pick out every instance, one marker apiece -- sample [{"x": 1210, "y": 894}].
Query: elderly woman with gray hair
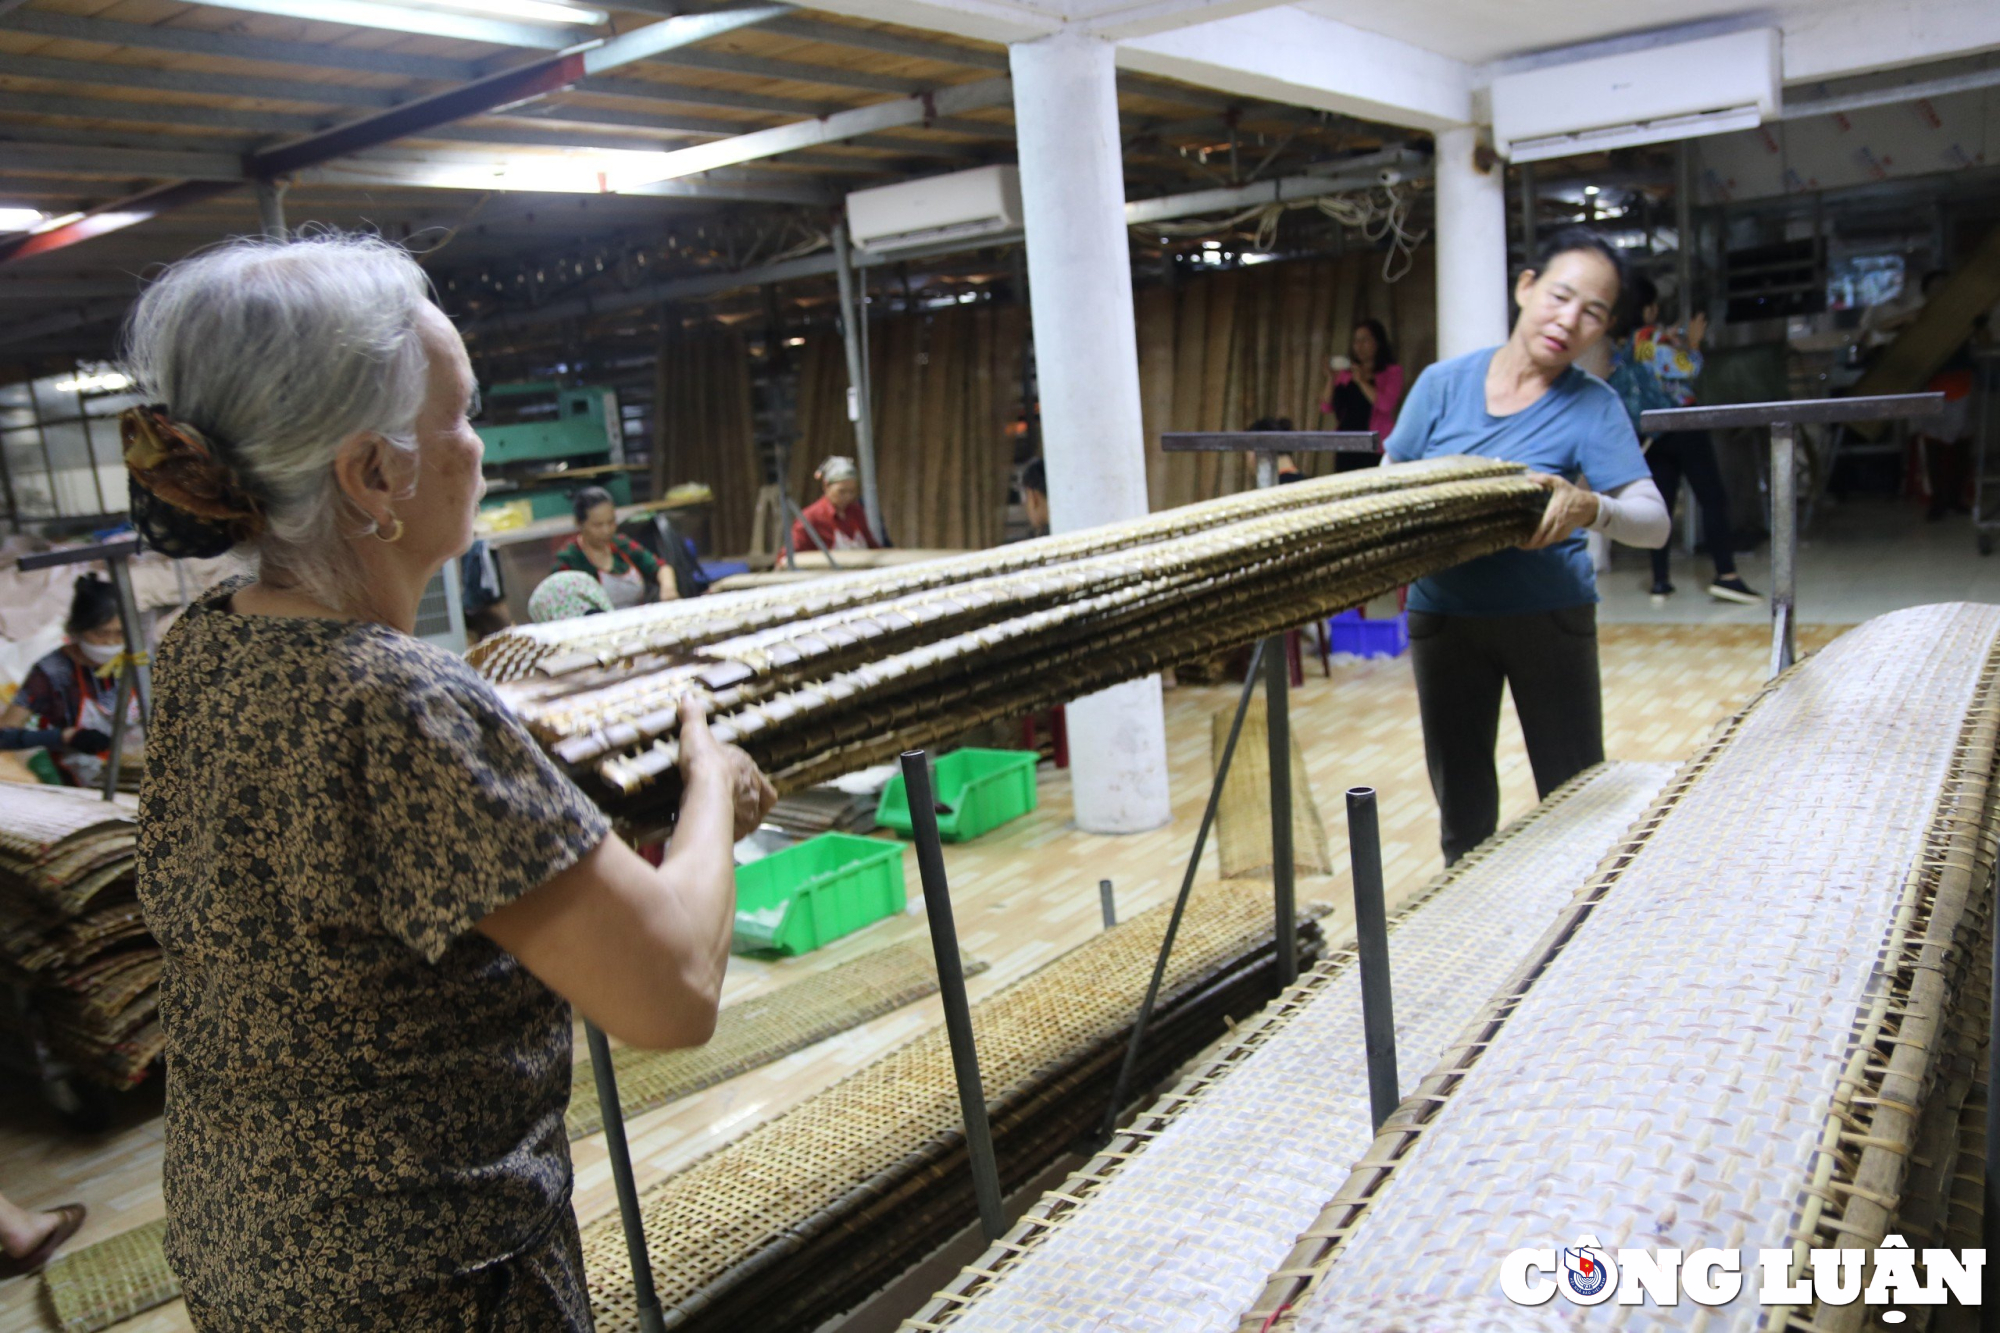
[{"x": 377, "y": 899}]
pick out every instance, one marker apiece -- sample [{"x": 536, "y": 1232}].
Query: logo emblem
[{"x": 1587, "y": 1275}]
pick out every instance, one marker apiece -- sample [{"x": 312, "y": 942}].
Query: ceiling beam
[
  {"x": 157, "y": 113},
  {"x": 194, "y": 81},
  {"x": 833, "y": 128},
  {"x": 886, "y": 43},
  {"x": 64, "y": 321},
  {"x": 236, "y": 46},
  {"x": 49, "y": 159},
  {"x": 47, "y": 290},
  {"x": 659, "y": 90},
  {"x": 108, "y": 218},
  {"x": 919, "y": 48},
  {"x": 562, "y": 138},
  {"x": 522, "y": 83},
  {"x": 429, "y": 22},
  {"x": 417, "y": 173},
  {"x": 764, "y": 67},
  {"x": 141, "y": 142}
]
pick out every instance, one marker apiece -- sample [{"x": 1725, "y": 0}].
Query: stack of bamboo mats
[
  {"x": 71, "y": 935},
  {"x": 1176, "y": 1224},
  {"x": 822, "y": 679},
  {"x": 1759, "y": 1027}
]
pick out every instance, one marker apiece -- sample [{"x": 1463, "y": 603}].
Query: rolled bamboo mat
[
  {"x": 763, "y": 1029},
  {"x": 806, "y": 1215},
  {"x": 636, "y": 632},
  {"x": 1174, "y": 1227},
  {"x": 819, "y": 681},
  {"x": 1744, "y": 1033},
  {"x": 98, "y": 1285}
]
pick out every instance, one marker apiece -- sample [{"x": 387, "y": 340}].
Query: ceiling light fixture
[
  {"x": 530, "y": 11},
  {"x": 109, "y": 381}
]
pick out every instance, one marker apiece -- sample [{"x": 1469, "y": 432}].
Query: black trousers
[
  {"x": 1691, "y": 454},
  {"x": 1549, "y": 662}
]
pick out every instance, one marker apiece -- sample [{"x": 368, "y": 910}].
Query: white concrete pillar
[
  {"x": 1087, "y": 359},
  {"x": 1472, "y": 274}
]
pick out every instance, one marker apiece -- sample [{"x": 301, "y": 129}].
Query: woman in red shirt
[{"x": 837, "y": 516}]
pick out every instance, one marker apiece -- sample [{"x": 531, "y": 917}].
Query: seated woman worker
[
  {"x": 377, "y": 899},
  {"x": 68, "y": 705},
  {"x": 1526, "y": 619},
  {"x": 629, "y": 573}
]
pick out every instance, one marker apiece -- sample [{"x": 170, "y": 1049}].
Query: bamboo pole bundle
[{"x": 944, "y": 647}]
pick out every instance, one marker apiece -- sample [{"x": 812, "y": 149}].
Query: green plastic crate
[
  {"x": 792, "y": 902},
  {"x": 983, "y": 788}
]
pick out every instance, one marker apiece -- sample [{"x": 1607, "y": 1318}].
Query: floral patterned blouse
[{"x": 365, "y": 1095}]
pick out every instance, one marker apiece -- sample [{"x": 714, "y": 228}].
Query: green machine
[{"x": 544, "y": 441}]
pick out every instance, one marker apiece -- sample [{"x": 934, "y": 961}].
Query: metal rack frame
[{"x": 1783, "y": 420}]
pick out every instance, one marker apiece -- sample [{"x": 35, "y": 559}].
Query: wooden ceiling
[{"x": 99, "y": 101}]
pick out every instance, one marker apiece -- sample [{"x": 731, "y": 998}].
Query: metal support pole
[
  {"x": 135, "y": 633},
  {"x": 791, "y": 511},
  {"x": 951, "y": 989},
  {"x": 1684, "y": 230},
  {"x": 1105, "y": 901},
  {"x": 120, "y": 708},
  {"x": 271, "y": 208},
  {"x": 643, "y": 1294},
  {"x": 1371, "y": 934},
  {"x": 1989, "y": 1222},
  {"x": 1277, "y": 704},
  {"x": 1784, "y": 543},
  {"x": 861, "y": 410},
  {"x": 1278, "y": 718},
  {"x": 1138, "y": 1037}
]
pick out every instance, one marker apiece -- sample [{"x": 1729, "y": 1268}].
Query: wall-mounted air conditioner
[
  {"x": 982, "y": 202},
  {"x": 1679, "y": 91}
]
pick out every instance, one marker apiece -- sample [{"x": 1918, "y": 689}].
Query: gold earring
[{"x": 394, "y": 534}]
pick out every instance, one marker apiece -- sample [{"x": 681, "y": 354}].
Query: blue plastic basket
[{"x": 1349, "y": 633}]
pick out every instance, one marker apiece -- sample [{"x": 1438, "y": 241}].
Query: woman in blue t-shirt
[{"x": 1526, "y": 618}]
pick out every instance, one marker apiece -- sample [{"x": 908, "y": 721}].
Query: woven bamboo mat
[
  {"x": 96, "y": 1286},
  {"x": 71, "y": 930},
  {"x": 889, "y": 1132},
  {"x": 1243, "y": 816},
  {"x": 1144, "y": 1239},
  {"x": 1731, "y": 1039},
  {"x": 762, "y": 1029}
]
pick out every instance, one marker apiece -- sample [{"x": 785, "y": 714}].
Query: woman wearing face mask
[
  {"x": 1526, "y": 619},
  {"x": 71, "y": 696}
]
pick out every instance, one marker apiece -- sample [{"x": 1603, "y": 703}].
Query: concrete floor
[{"x": 1859, "y": 559}]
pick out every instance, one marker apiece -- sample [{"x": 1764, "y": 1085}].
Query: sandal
[{"x": 69, "y": 1219}]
